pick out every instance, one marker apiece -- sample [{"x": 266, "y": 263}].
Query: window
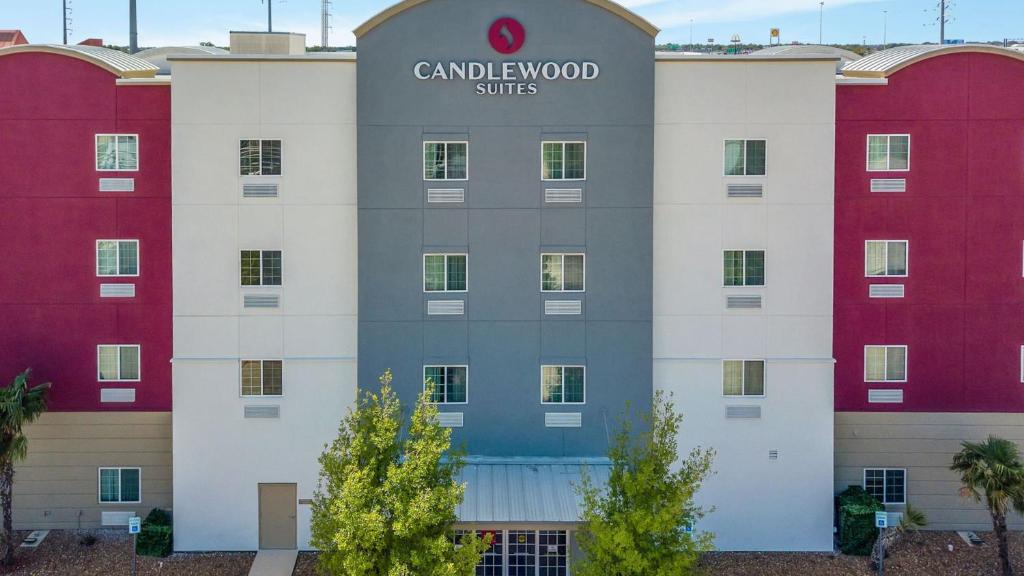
[
  {"x": 261, "y": 378},
  {"x": 564, "y": 161},
  {"x": 445, "y": 160},
  {"x": 120, "y": 485},
  {"x": 118, "y": 362},
  {"x": 529, "y": 552},
  {"x": 117, "y": 257},
  {"x": 563, "y": 384},
  {"x": 445, "y": 272},
  {"x": 522, "y": 552},
  {"x": 745, "y": 157},
  {"x": 744, "y": 267},
  {"x": 887, "y": 484},
  {"x": 117, "y": 152},
  {"x": 885, "y": 258},
  {"x": 562, "y": 272},
  {"x": 260, "y": 158},
  {"x": 888, "y": 152},
  {"x": 743, "y": 377},
  {"x": 885, "y": 363},
  {"x": 1022, "y": 364},
  {"x": 446, "y": 384},
  {"x": 261, "y": 267}
]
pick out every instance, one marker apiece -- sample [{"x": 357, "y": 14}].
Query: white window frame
[
  {"x": 537, "y": 551},
  {"x": 1022, "y": 364},
  {"x": 563, "y": 367},
  {"x": 764, "y": 377},
  {"x": 241, "y": 378},
  {"x": 744, "y": 251},
  {"x": 885, "y": 368},
  {"x": 238, "y": 169},
  {"x": 446, "y": 366},
  {"x": 888, "y": 153},
  {"x": 261, "y": 284},
  {"x": 99, "y": 485},
  {"x": 586, "y": 161},
  {"x": 423, "y": 157},
  {"x": 864, "y": 483},
  {"x": 446, "y": 255},
  {"x": 745, "y": 140},
  {"x": 118, "y": 346},
  {"x": 906, "y": 243},
  {"x": 138, "y": 258},
  {"x": 117, "y": 159},
  {"x": 563, "y": 255}
]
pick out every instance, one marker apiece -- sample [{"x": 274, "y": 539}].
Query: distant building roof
[
  {"x": 845, "y": 56},
  {"x": 92, "y": 42},
  {"x": 12, "y": 38},
  {"x": 113, "y": 61},
  {"x": 525, "y": 490},
  {"x": 887, "y": 62},
  {"x": 158, "y": 56}
]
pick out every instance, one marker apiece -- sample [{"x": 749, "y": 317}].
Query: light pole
[
  {"x": 821, "y": 21},
  {"x": 691, "y": 33},
  {"x": 885, "y": 28}
]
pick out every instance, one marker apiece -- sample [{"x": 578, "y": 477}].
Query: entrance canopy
[{"x": 527, "y": 490}]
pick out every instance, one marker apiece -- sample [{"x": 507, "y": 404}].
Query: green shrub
[
  {"x": 156, "y": 537},
  {"x": 857, "y": 532}
]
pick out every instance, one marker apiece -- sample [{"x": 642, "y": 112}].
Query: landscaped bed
[{"x": 64, "y": 553}]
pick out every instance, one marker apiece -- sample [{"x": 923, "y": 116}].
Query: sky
[{"x": 188, "y": 22}]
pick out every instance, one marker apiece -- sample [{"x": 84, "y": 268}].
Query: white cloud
[{"x": 669, "y": 13}]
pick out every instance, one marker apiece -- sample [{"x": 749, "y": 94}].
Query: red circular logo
[{"x": 507, "y": 35}]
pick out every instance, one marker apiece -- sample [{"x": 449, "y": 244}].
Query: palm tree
[
  {"x": 19, "y": 405},
  {"x": 993, "y": 469}
]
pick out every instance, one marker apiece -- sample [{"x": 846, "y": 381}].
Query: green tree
[
  {"x": 993, "y": 470},
  {"x": 637, "y": 524},
  {"x": 385, "y": 505},
  {"x": 19, "y": 405}
]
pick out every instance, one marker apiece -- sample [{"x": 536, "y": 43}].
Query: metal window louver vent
[
  {"x": 252, "y": 190},
  {"x": 117, "y": 290},
  {"x": 563, "y": 196},
  {"x": 746, "y": 412},
  {"x": 563, "y": 307},
  {"x": 563, "y": 419},
  {"x": 118, "y": 518},
  {"x": 450, "y": 419},
  {"x": 744, "y": 191},
  {"x": 886, "y": 291},
  {"x": 262, "y": 412},
  {"x": 446, "y": 307},
  {"x": 446, "y": 195},
  {"x": 888, "y": 185},
  {"x": 773, "y": 454},
  {"x": 744, "y": 302},
  {"x": 117, "y": 395},
  {"x": 117, "y": 184},
  {"x": 885, "y": 396},
  {"x": 262, "y": 301}
]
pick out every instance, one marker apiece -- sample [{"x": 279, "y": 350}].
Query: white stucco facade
[
  {"x": 221, "y": 457},
  {"x": 763, "y": 499}
]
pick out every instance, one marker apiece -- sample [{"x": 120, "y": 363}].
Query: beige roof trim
[
  {"x": 900, "y": 64},
  {"x": 617, "y": 9},
  {"x": 117, "y": 63}
]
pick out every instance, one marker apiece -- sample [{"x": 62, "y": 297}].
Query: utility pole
[
  {"x": 270, "y": 15},
  {"x": 942, "y": 21},
  {"x": 885, "y": 28},
  {"x": 691, "y": 33},
  {"x": 133, "y": 29},
  {"x": 821, "y": 22},
  {"x": 64, "y": 17},
  {"x": 325, "y": 23}
]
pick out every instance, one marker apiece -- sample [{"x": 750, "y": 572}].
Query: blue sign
[
  {"x": 134, "y": 525},
  {"x": 881, "y": 520}
]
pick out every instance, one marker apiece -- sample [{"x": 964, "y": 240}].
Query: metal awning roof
[
  {"x": 114, "y": 61},
  {"x": 526, "y": 491},
  {"x": 883, "y": 64}
]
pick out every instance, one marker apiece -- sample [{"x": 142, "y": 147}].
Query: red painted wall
[
  {"x": 963, "y": 214},
  {"x": 52, "y": 213}
]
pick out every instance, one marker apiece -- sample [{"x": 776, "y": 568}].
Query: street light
[
  {"x": 821, "y": 20},
  {"x": 885, "y": 28}
]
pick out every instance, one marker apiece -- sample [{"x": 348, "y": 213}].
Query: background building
[
  {"x": 743, "y": 208},
  {"x": 86, "y": 299},
  {"x": 929, "y": 285},
  {"x": 264, "y": 289}
]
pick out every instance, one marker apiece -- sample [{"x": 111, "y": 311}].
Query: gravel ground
[
  {"x": 62, "y": 554},
  {"x": 305, "y": 565}
]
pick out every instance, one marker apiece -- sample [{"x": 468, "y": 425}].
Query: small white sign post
[
  {"x": 134, "y": 527},
  {"x": 881, "y": 522}
]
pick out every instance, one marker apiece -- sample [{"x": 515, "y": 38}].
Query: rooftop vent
[{"x": 268, "y": 43}]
